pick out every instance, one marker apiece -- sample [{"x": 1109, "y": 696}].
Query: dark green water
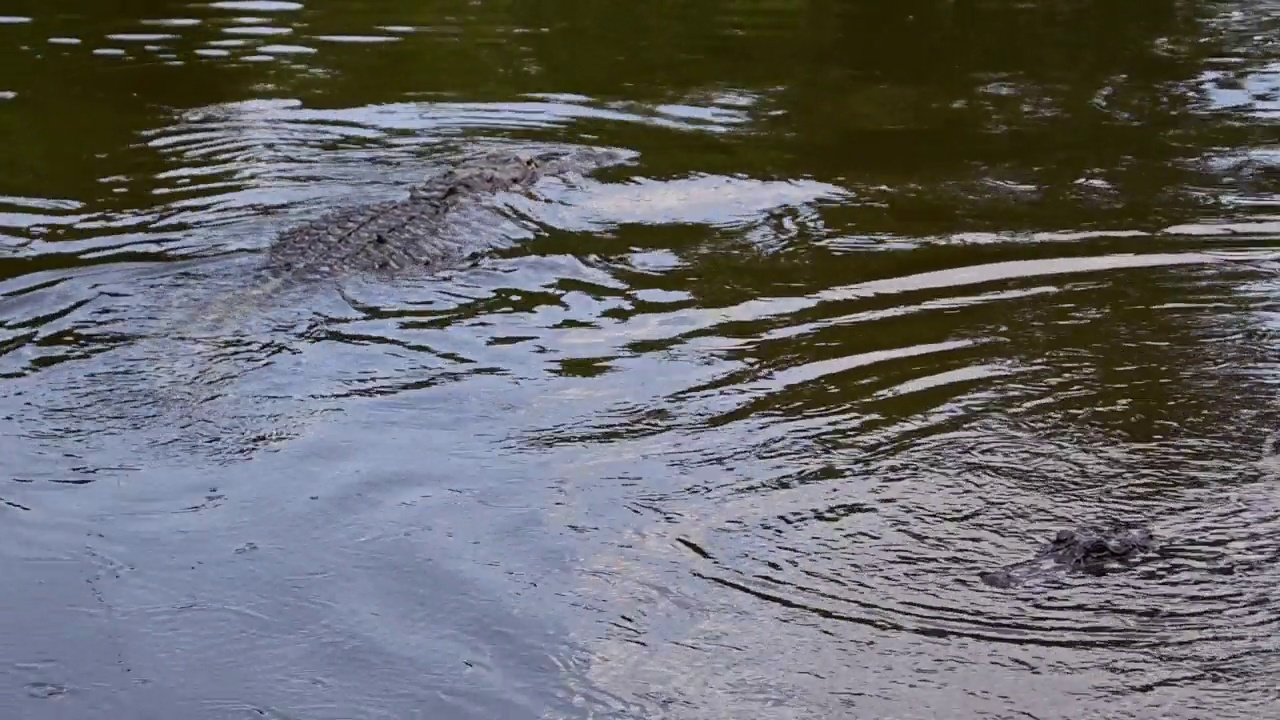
[{"x": 891, "y": 293}]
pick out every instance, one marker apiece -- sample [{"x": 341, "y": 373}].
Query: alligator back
[
  {"x": 400, "y": 235},
  {"x": 428, "y": 231}
]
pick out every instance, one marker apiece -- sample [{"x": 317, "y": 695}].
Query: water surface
[{"x": 887, "y": 295}]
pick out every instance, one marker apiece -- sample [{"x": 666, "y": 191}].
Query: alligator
[
  {"x": 1092, "y": 549},
  {"x": 424, "y": 233},
  {"x": 407, "y": 235}
]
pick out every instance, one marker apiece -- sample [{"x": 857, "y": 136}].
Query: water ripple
[
  {"x": 731, "y": 431},
  {"x": 870, "y": 504}
]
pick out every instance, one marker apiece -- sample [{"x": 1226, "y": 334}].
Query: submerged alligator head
[{"x": 1090, "y": 549}]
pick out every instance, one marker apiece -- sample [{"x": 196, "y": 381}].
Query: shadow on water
[{"x": 887, "y": 296}]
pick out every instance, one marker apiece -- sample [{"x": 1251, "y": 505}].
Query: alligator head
[
  {"x": 581, "y": 160},
  {"x": 509, "y": 171},
  {"x": 1089, "y": 548},
  {"x": 1079, "y": 547},
  {"x": 488, "y": 174}
]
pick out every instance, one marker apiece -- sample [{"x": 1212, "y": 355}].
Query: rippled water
[{"x": 884, "y": 297}]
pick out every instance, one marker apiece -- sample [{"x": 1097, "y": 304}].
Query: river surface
[{"x": 886, "y": 295}]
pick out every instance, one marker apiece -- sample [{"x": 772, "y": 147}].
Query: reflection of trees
[
  {"x": 77, "y": 113},
  {"x": 912, "y": 91},
  {"x": 1046, "y": 94}
]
